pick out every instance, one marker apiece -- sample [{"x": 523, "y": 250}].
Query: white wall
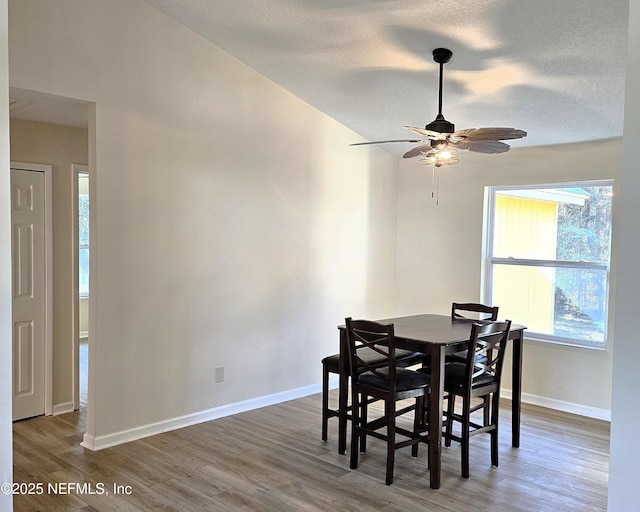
[
  {"x": 625, "y": 449},
  {"x": 6, "y": 437},
  {"x": 234, "y": 227},
  {"x": 440, "y": 248}
]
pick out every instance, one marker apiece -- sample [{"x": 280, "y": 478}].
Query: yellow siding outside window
[{"x": 523, "y": 228}]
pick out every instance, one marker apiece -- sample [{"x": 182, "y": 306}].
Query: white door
[{"x": 29, "y": 292}]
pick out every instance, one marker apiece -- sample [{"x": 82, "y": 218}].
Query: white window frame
[{"x": 490, "y": 260}]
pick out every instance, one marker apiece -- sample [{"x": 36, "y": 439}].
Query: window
[
  {"x": 547, "y": 259},
  {"x": 83, "y": 234}
]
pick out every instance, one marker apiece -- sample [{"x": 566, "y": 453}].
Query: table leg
[
  {"x": 516, "y": 387},
  {"x": 435, "y": 415},
  {"x": 343, "y": 392}
]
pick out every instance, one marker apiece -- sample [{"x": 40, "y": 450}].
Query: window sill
[{"x": 599, "y": 347}]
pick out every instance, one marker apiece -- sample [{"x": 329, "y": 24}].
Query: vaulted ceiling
[{"x": 553, "y": 68}]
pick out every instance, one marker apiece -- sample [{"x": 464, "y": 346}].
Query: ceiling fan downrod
[{"x": 440, "y": 124}]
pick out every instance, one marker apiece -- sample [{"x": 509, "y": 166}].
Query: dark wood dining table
[{"x": 435, "y": 336}]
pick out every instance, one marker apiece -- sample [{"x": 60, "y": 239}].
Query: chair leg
[
  {"x": 343, "y": 405},
  {"x": 451, "y": 404},
  {"x": 485, "y": 410},
  {"x": 418, "y": 423},
  {"x": 355, "y": 430},
  {"x": 325, "y": 402},
  {"x": 495, "y": 403},
  {"x": 364, "y": 414},
  {"x": 466, "y": 406},
  {"x": 390, "y": 411}
]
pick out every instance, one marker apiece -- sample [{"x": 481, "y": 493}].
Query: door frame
[{"x": 48, "y": 272}]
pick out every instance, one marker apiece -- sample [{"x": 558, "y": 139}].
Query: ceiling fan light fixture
[
  {"x": 438, "y": 158},
  {"x": 445, "y": 154}
]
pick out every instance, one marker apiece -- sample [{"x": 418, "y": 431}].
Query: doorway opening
[
  {"x": 61, "y": 131},
  {"x": 81, "y": 250}
]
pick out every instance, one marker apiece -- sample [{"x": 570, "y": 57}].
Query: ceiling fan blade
[
  {"x": 418, "y": 150},
  {"x": 476, "y": 134},
  {"x": 482, "y": 146},
  {"x": 430, "y": 134},
  {"x": 385, "y": 142}
]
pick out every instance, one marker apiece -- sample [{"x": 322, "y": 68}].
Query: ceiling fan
[{"x": 440, "y": 141}]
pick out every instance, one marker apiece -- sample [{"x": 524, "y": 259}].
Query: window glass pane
[
  {"x": 83, "y": 219},
  {"x": 580, "y": 304},
  {"x": 562, "y": 302},
  {"x": 83, "y": 286},
  {"x": 570, "y": 223},
  {"x": 83, "y": 242},
  {"x": 524, "y": 228},
  {"x": 584, "y": 231}
]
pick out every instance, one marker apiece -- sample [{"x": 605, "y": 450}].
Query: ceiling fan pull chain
[
  {"x": 435, "y": 185},
  {"x": 433, "y": 182}
]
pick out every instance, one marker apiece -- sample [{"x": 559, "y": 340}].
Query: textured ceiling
[{"x": 553, "y": 68}]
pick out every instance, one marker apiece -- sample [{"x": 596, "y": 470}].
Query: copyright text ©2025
[{"x": 65, "y": 488}]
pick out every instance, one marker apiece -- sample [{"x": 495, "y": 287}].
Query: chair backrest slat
[{"x": 481, "y": 311}]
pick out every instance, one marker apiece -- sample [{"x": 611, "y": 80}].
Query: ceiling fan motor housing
[{"x": 440, "y": 124}]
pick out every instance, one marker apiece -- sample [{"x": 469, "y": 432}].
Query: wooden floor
[{"x": 272, "y": 459}]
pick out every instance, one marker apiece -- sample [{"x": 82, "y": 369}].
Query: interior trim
[
  {"x": 560, "y": 405},
  {"x": 125, "y": 436}
]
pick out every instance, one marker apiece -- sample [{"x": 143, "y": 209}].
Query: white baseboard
[
  {"x": 560, "y": 405},
  {"x": 62, "y": 408},
  {"x": 125, "y": 436}
]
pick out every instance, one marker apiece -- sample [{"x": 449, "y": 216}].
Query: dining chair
[
  {"x": 472, "y": 311},
  {"x": 331, "y": 364},
  {"x": 479, "y": 376},
  {"x": 388, "y": 383}
]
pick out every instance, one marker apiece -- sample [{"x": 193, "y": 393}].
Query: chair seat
[
  {"x": 405, "y": 379},
  {"x": 332, "y": 360},
  {"x": 373, "y": 358},
  {"x": 461, "y": 357},
  {"x": 454, "y": 376}
]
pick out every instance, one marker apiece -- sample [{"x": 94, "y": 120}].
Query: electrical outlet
[{"x": 219, "y": 374}]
